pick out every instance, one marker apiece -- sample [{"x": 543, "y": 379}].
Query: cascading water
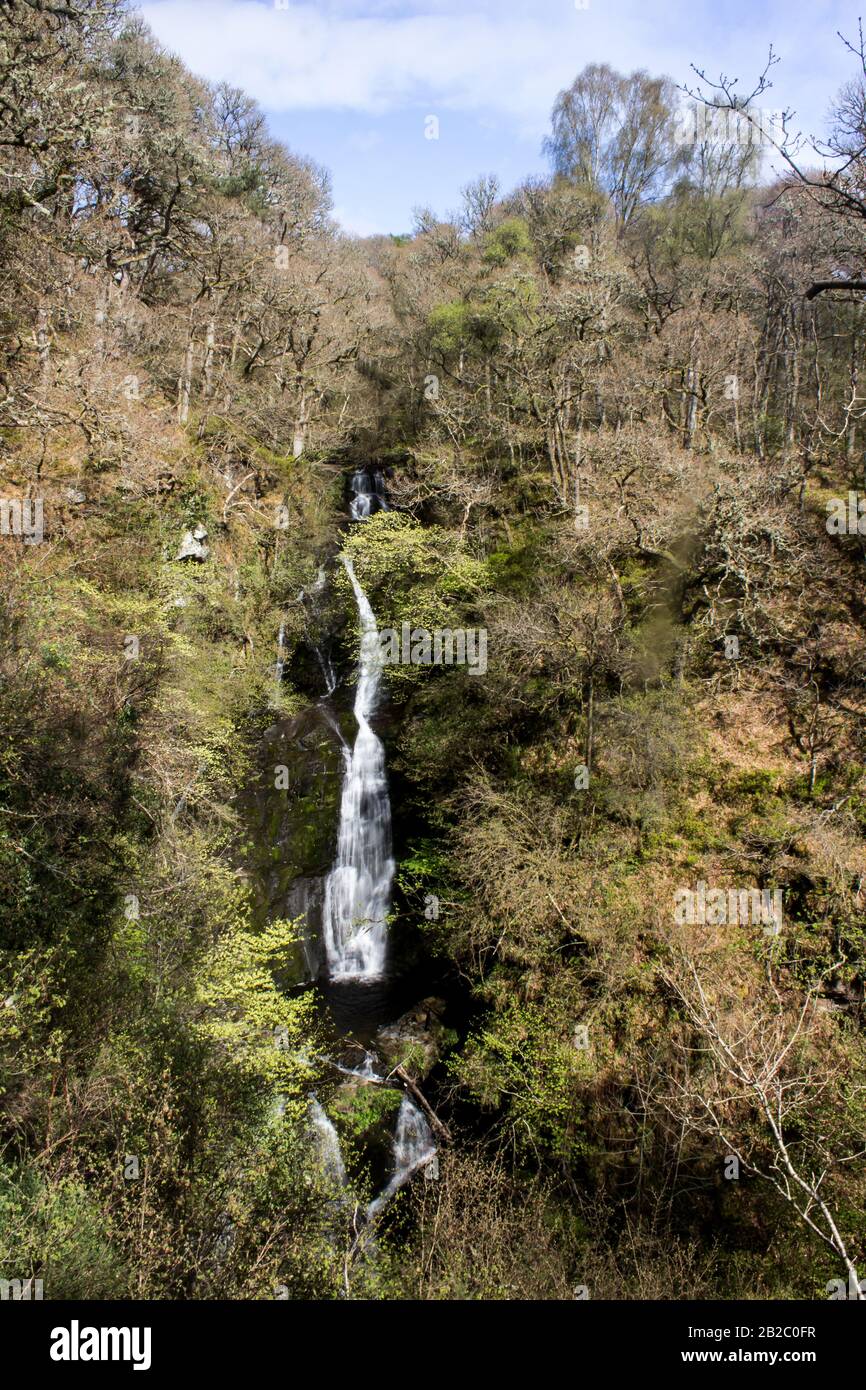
[
  {"x": 365, "y": 1072},
  {"x": 358, "y": 888},
  {"x": 413, "y": 1147},
  {"x": 413, "y": 1142},
  {"x": 369, "y": 495},
  {"x": 327, "y": 1144},
  {"x": 357, "y": 891},
  {"x": 281, "y": 647},
  {"x": 310, "y": 596},
  {"x": 327, "y": 671}
]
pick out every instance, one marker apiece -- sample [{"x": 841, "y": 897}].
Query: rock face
[
  {"x": 303, "y": 902},
  {"x": 291, "y": 831},
  {"x": 414, "y": 1040},
  {"x": 192, "y": 546}
]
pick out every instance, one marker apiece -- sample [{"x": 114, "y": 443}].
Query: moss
[{"x": 361, "y": 1109}]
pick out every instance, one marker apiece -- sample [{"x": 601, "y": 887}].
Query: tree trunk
[
  {"x": 691, "y": 403},
  {"x": 184, "y": 385},
  {"x": 300, "y": 433},
  {"x": 43, "y": 345},
  {"x": 207, "y": 368},
  {"x": 851, "y": 440}
]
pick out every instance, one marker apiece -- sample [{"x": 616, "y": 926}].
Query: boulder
[
  {"x": 192, "y": 546},
  {"x": 414, "y": 1040}
]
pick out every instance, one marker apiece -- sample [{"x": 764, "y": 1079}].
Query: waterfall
[
  {"x": 327, "y": 1144},
  {"x": 358, "y": 888},
  {"x": 280, "y": 651},
  {"x": 369, "y": 495},
  {"x": 365, "y": 1072},
  {"x": 413, "y": 1147},
  {"x": 357, "y": 891},
  {"x": 413, "y": 1142},
  {"x": 323, "y": 658},
  {"x": 327, "y": 671}
]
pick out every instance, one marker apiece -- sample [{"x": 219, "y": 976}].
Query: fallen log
[
  {"x": 821, "y": 285},
  {"x": 441, "y": 1129}
]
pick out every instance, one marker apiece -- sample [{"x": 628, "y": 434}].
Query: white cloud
[
  {"x": 338, "y": 58},
  {"x": 501, "y": 57}
]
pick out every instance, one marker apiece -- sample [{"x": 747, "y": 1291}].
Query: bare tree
[
  {"x": 761, "y": 1053},
  {"x": 616, "y": 134}
]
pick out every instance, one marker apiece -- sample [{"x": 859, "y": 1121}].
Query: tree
[
  {"x": 839, "y": 186},
  {"x": 766, "y": 1050},
  {"x": 616, "y": 134}
]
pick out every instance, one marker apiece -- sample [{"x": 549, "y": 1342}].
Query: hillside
[{"x": 331, "y": 967}]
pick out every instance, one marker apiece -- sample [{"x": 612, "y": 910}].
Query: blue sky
[{"x": 351, "y": 82}]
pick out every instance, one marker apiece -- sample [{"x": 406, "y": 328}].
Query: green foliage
[
  {"x": 53, "y": 1228},
  {"x": 520, "y": 1063},
  {"x": 158, "y": 1035},
  {"x": 508, "y": 240},
  {"x": 241, "y": 1010},
  {"x": 368, "y": 1108},
  {"x": 417, "y": 575},
  {"x": 460, "y": 326}
]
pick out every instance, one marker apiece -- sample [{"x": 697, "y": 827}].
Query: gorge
[{"x": 361, "y": 970}]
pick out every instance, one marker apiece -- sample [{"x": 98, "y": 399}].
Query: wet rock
[
  {"x": 414, "y": 1041},
  {"x": 303, "y": 904},
  {"x": 292, "y": 826},
  {"x": 365, "y": 1115}
]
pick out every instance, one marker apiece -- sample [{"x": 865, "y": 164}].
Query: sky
[{"x": 353, "y": 84}]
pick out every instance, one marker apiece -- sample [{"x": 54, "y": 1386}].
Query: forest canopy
[{"x": 615, "y": 420}]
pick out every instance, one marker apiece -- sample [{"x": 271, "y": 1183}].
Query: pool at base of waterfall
[{"x": 358, "y": 1007}]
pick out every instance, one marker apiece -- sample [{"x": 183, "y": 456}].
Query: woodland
[{"x": 613, "y": 418}]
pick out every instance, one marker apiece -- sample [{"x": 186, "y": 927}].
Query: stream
[{"x": 357, "y": 890}]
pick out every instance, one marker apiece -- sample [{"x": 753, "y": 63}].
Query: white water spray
[
  {"x": 281, "y": 647},
  {"x": 413, "y": 1148},
  {"x": 327, "y": 1144},
  {"x": 358, "y": 888},
  {"x": 365, "y": 1072},
  {"x": 369, "y": 495}
]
